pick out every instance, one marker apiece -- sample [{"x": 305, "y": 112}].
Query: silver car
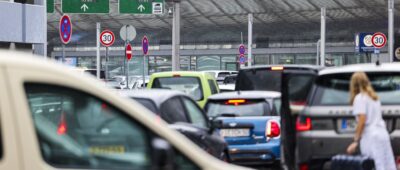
[{"x": 326, "y": 126}]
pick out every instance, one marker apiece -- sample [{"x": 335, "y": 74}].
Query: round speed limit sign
[
  {"x": 107, "y": 38},
  {"x": 378, "y": 40}
]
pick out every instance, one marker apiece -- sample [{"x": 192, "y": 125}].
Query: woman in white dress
[{"x": 371, "y": 134}]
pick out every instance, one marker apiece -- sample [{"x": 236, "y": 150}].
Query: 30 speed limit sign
[
  {"x": 378, "y": 40},
  {"x": 107, "y": 38}
]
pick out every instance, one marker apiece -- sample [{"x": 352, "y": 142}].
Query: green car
[{"x": 198, "y": 85}]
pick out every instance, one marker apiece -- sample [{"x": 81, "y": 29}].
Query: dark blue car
[{"x": 251, "y": 125}]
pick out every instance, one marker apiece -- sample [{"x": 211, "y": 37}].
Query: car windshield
[
  {"x": 334, "y": 89},
  {"x": 238, "y": 108},
  {"x": 147, "y": 103},
  {"x": 189, "y": 85}
]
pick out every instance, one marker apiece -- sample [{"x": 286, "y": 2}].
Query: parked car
[
  {"x": 53, "y": 118},
  {"x": 198, "y": 85},
  {"x": 228, "y": 85},
  {"x": 251, "y": 125},
  {"x": 184, "y": 115},
  {"x": 326, "y": 126},
  {"x": 219, "y": 75}
]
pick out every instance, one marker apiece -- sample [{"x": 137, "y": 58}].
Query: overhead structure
[{"x": 277, "y": 21}]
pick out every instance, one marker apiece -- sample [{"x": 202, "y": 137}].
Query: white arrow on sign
[
  {"x": 84, "y": 7},
  {"x": 141, "y": 8}
]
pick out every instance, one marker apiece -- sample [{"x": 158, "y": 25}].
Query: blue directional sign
[
  {"x": 145, "y": 45},
  {"x": 363, "y": 42}
]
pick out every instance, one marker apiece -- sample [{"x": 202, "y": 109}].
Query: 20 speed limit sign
[
  {"x": 379, "y": 40},
  {"x": 107, "y": 38}
]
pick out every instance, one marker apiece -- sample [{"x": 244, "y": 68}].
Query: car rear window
[
  {"x": 189, "y": 85},
  {"x": 334, "y": 89},
  {"x": 223, "y": 74},
  {"x": 259, "y": 79},
  {"x": 238, "y": 108},
  {"x": 147, "y": 103}
]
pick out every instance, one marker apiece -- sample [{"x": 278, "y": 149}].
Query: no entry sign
[
  {"x": 128, "y": 51},
  {"x": 107, "y": 38},
  {"x": 379, "y": 40},
  {"x": 65, "y": 29}
]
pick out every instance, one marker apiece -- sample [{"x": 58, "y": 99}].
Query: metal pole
[
  {"x": 127, "y": 72},
  {"x": 250, "y": 40},
  {"x": 323, "y": 31},
  {"x": 144, "y": 68},
  {"x": 241, "y": 37},
  {"x": 63, "y": 53},
  {"x": 318, "y": 45},
  {"x": 98, "y": 50},
  {"x": 176, "y": 36},
  {"x": 391, "y": 28},
  {"x": 106, "y": 64}
]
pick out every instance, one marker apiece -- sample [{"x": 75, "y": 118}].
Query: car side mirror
[
  {"x": 215, "y": 123},
  {"x": 163, "y": 154}
]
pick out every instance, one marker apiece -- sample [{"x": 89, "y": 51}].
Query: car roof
[
  {"x": 181, "y": 73},
  {"x": 158, "y": 96},
  {"x": 245, "y": 95},
  {"x": 294, "y": 66},
  {"x": 218, "y": 71},
  {"x": 370, "y": 67}
]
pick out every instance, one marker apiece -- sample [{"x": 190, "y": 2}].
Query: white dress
[{"x": 375, "y": 140}]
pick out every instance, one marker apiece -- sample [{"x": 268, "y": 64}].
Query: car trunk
[{"x": 246, "y": 130}]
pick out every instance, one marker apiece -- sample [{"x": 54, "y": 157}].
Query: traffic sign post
[
  {"x": 65, "y": 30},
  {"x": 145, "y": 49},
  {"x": 128, "y": 54},
  {"x": 85, "y": 6},
  {"x": 141, "y": 7},
  {"x": 379, "y": 40},
  {"x": 107, "y": 38}
]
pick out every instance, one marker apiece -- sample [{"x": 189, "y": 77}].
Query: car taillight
[
  {"x": 303, "y": 167},
  {"x": 235, "y": 102},
  {"x": 272, "y": 129},
  {"x": 303, "y": 124},
  {"x": 277, "y": 68},
  {"x": 62, "y": 126}
]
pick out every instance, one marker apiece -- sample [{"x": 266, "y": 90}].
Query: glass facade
[{"x": 153, "y": 64}]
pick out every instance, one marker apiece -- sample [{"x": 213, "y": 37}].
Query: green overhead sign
[
  {"x": 141, "y": 6},
  {"x": 85, "y": 6},
  {"x": 50, "y": 6}
]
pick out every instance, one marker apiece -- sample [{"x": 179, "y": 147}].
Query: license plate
[
  {"x": 107, "y": 149},
  {"x": 347, "y": 125},
  {"x": 234, "y": 132}
]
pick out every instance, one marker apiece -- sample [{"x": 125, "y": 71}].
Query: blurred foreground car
[
  {"x": 326, "y": 126},
  {"x": 52, "y": 118},
  {"x": 251, "y": 125},
  {"x": 198, "y": 85},
  {"x": 183, "y": 115}
]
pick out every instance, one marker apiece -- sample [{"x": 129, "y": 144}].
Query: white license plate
[
  {"x": 347, "y": 125},
  {"x": 234, "y": 132}
]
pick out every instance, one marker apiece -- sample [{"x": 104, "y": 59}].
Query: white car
[
  {"x": 219, "y": 75},
  {"x": 52, "y": 118}
]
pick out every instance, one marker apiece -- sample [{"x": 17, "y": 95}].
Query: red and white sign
[
  {"x": 65, "y": 29},
  {"x": 107, "y": 38},
  {"x": 128, "y": 51},
  {"x": 379, "y": 40}
]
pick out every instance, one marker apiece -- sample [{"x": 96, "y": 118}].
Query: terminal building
[{"x": 210, "y": 32}]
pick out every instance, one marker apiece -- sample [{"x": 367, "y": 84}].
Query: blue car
[{"x": 251, "y": 125}]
